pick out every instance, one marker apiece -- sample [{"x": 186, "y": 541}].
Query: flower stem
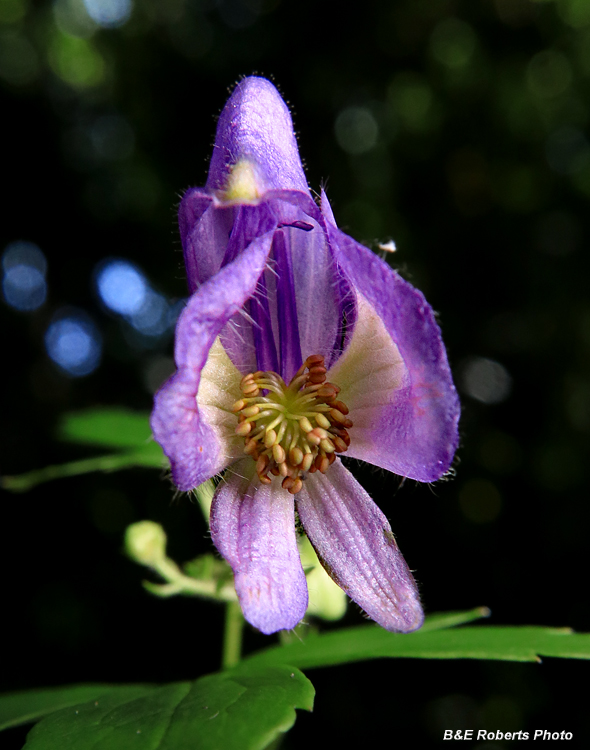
[
  {"x": 232, "y": 636},
  {"x": 24, "y": 482}
]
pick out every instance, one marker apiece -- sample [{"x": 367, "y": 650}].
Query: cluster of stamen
[{"x": 290, "y": 430}]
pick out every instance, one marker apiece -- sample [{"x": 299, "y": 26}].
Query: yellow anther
[
  {"x": 295, "y": 456},
  {"x": 278, "y": 453},
  {"x": 251, "y": 411},
  {"x": 320, "y": 419},
  {"x": 293, "y": 429},
  {"x": 250, "y": 446},
  {"x": 327, "y": 446},
  {"x": 307, "y": 462},
  {"x": 270, "y": 438},
  {"x": 337, "y": 416},
  {"x": 262, "y": 464},
  {"x": 305, "y": 424},
  {"x": 317, "y": 432},
  {"x": 313, "y": 438}
]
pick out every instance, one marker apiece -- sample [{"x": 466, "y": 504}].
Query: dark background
[{"x": 456, "y": 128}]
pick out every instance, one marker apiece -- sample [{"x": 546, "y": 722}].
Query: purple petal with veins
[
  {"x": 253, "y": 527},
  {"x": 354, "y": 542}
]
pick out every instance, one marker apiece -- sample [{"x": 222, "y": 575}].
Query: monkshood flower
[{"x": 297, "y": 344}]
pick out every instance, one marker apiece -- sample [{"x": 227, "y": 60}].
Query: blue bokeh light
[
  {"x": 122, "y": 287},
  {"x": 109, "y": 13},
  {"x": 152, "y": 318},
  {"x": 23, "y": 283},
  {"x": 24, "y": 288},
  {"x": 74, "y": 342},
  {"x": 24, "y": 253}
]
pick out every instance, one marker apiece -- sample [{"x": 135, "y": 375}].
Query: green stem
[
  {"x": 232, "y": 636},
  {"x": 24, "y": 482},
  {"x": 179, "y": 583}
]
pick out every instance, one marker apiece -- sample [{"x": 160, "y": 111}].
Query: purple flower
[{"x": 297, "y": 344}]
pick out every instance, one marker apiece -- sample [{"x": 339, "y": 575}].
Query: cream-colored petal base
[
  {"x": 219, "y": 389},
  {"x": 370, "y": 372}
]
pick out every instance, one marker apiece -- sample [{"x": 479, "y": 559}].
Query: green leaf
[
  {"x": 111, "y": 428},
  {"x": 478, "y": 642},
  {"x": 115, "y": 428},
  {"x": 27, "y": 706},
  {"x": 241, "y": 709}
]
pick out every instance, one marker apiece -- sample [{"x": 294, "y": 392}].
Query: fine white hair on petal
[
  {"x": 219, "y": 389},
  {"x": 246, "y": 471},
  {"x": 270, "y": 266},
  {"x": 248, "y": 317},
  {"x": 238, "y": 341},
  {"x": 236, "y": 330}
]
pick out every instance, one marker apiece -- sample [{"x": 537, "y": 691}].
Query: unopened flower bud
[{"x": 145, "y": 542}]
